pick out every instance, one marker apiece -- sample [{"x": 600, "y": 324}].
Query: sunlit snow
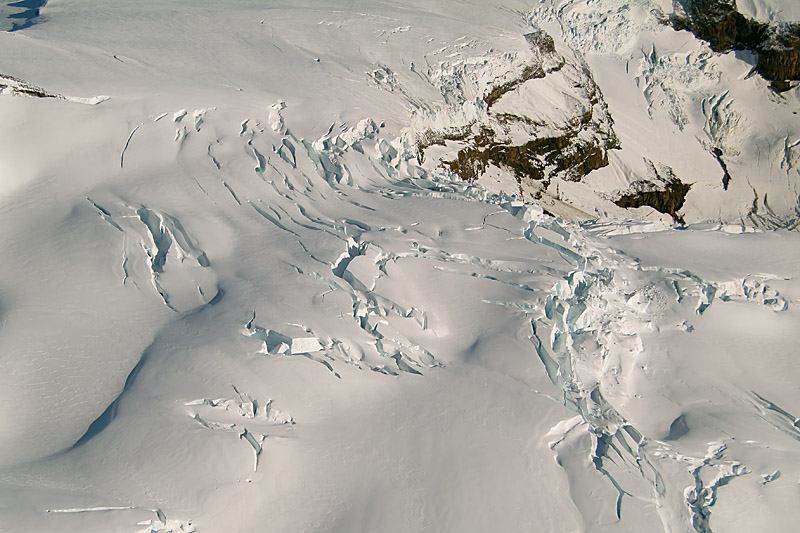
[{"x": 241, "y": 290}]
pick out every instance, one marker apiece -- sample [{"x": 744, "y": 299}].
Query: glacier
[{"x": 394, "y": 267}]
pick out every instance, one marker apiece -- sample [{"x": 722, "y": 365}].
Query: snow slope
[
  {"x": 234, "y": 298},
  {"x": 769, "y": 11}
]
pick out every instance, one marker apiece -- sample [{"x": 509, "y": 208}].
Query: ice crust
[{"x": 184, "y": 267}]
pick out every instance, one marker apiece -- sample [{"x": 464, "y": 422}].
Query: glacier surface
[{"x": 242, "y": 288}]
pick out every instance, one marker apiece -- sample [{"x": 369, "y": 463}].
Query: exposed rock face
[
  {"x": 781, "y": 61},
  {"x": 537, "y": 159},
  {"x": 544, "y": 47},
  {"x": 719, "y": 23},
  {"x": 664, "y": 192},
  {"x": 726, "y": 176},
  {"x": 548, "y": 121}
]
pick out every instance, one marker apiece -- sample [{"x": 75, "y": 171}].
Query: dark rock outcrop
[
  {"x": 544, "y": 46},
  {"x": 664, "y": 192},
  {"x": 537, "y": 159},
  {"x": 725, "y": 29},
  {"x": 568, "y": 151}
]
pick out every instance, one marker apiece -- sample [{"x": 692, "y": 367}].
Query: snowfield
[
  {"x": 770, "y": 10},
  {"x": 244, "y": 289}
]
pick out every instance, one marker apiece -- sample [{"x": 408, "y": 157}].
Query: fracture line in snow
[
  {"x": 159, "y": 513},
  {"x": 89, "y": 509},
  {"x": 127, "y": 142}
]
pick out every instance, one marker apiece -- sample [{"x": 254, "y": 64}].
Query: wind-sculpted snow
[{"x": 245, "y": 302}]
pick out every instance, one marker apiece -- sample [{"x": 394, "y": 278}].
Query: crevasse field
[{"x": 236, "y": 296}]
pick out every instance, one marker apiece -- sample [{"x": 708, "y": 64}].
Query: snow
[
  {"x": 770, "y": 11},
  {"x": 673, "y": 101},
  {"x": 232, "y": 297}
]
